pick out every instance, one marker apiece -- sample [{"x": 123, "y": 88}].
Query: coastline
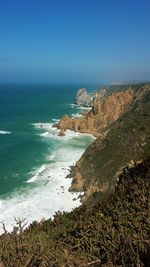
[
  {"x": 51, "y": 193},
  {"x": 110, "y": 120}
]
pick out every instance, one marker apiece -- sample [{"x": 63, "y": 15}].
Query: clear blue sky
[{"x": 74, "y": 40}]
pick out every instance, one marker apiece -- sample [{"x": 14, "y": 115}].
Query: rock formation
[
  {"x": 83, "y": 98},
  {"x": 104, "y": 111},
  {"x": 61, "y": 133},
  {"x": 100, "y": 93},
  {"x": 126, "y": 143}
]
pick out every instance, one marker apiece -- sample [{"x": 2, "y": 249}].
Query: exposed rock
[
  {"x": 103, "y": 113},
  {"x": 109, "y": 108},
  {"x": 78, "y": 183},
  {"x": 83, "y": 113},
  {"x": 123, "y": 145},
  {"x": 120, "y": 121},
  {"x": 65, "y": 123},
  {"x": 100, "y": 93},
  {"x": 83, "y": 98},
  {"x": 61, "y": 133}
]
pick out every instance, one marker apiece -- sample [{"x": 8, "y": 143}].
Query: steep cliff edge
[
  {"x": 127, "y": 142},
  {"x": 109, "y": 231},
  {"x": 105, "y": 110}
]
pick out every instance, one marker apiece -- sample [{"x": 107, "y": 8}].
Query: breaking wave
[{"x": 4, "y": 132}]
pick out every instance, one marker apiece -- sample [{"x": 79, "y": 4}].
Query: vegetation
[
  {"x": 126, "y": 142},
  {"x": 112, "y": 232},
  {"x": 113, "y": 227},
  {"x": 124, "y": 87}
]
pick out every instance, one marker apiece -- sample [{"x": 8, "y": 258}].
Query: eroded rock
[
  {"x": 103, "y": 113},
  {"x": 83, "y": 98}
]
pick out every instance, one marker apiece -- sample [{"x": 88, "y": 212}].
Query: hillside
[
  {"x": 119, "y": 87},
  {"x": 108, "y": 104},
  {"x": 112, "y": 226},
  {"x": 114, "y": 231},
  {"x": 127, "y": 141}
]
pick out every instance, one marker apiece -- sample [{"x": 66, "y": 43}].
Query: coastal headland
[
  {"x": 111, "y": 227},
  {"x": 104, "y": 111},
  {"x": 119, "y": 118}
]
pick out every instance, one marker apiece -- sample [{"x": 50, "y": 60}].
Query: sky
[{"x": 74, "y": 40}]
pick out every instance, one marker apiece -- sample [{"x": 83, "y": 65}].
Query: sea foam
[
  {"x": 50, "y": 187},
  {"x": 4, "y": 132}
]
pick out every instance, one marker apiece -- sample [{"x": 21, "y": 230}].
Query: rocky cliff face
[
  {"x": 105, "y": 110},
  {"x": 100, "y": 93},
  {"x": 127, "y": 142},
  {"x": 83, "y": 98},
  {"x": 108, "y": 109}
]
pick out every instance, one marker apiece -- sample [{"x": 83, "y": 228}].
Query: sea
[{"x": 34, "y": 160}]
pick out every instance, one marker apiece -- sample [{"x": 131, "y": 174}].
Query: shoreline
[{"x": 32, "y": 204}]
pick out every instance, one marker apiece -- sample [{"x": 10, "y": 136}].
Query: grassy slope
[
  {"x": 123, "y": 87},
  {"x": 109, "y": 231},
  {"x": 114, "y": 232}
]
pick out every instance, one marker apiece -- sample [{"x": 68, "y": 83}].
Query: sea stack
[{"x": 83, "y": 98}]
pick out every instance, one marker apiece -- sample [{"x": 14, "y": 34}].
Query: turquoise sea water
[{"x": 32, "y": 156}]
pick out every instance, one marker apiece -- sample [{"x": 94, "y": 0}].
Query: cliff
[
  {"x": 105, "y": 110},
  {"x": 126, "y": 143},
  {"x": 112, "y": 227}
]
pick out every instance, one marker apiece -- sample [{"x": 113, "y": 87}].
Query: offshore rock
[
  {"x": 83, "y": 98},
  {"x": 61, "y": 133}
]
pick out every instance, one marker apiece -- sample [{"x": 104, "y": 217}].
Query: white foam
[
  {"x": 50, "y": 192},
  {"x": 4, "y": 132},
  {"x": 79, "y": 107},
  {"x": 55, "y": 120},
  {"x": 44, "y": 134},
  {"x": 51, "y": 157},
  {"x": 37, "y": 173},
  {"x": 49, "y": 130},
  {"x": 1, "y": 203},
  {"x": 73, "y": 105},
  {"x": 76, "y": 115},
  {"x": 42, "y": 202},
  {"x": 52, "y": 133},
  {"x": 86, "y": 108},
  {"x": 46, "y": 126}
]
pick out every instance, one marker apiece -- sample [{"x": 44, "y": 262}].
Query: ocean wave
[
  {"x": 46, "y": 126},
  {"x": 50, "y": 193},
  {"x": 73, "y": 105},
  {"x": 69, "y": 135},
  {"x": 76, "y": 115},
  {"x": 79, "y": 107},
  {"x": 44, "y": 134},
  {"x": 4, "y": 132},
  {"x": 38, "y": 203},
  {"x": 47, "y": 188},
  {"x": 84, "y": 108},
  {"x": 37, "y": 173},
  {"x": 55, "y": 120},
  {"x": 50, "y": 132}
]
